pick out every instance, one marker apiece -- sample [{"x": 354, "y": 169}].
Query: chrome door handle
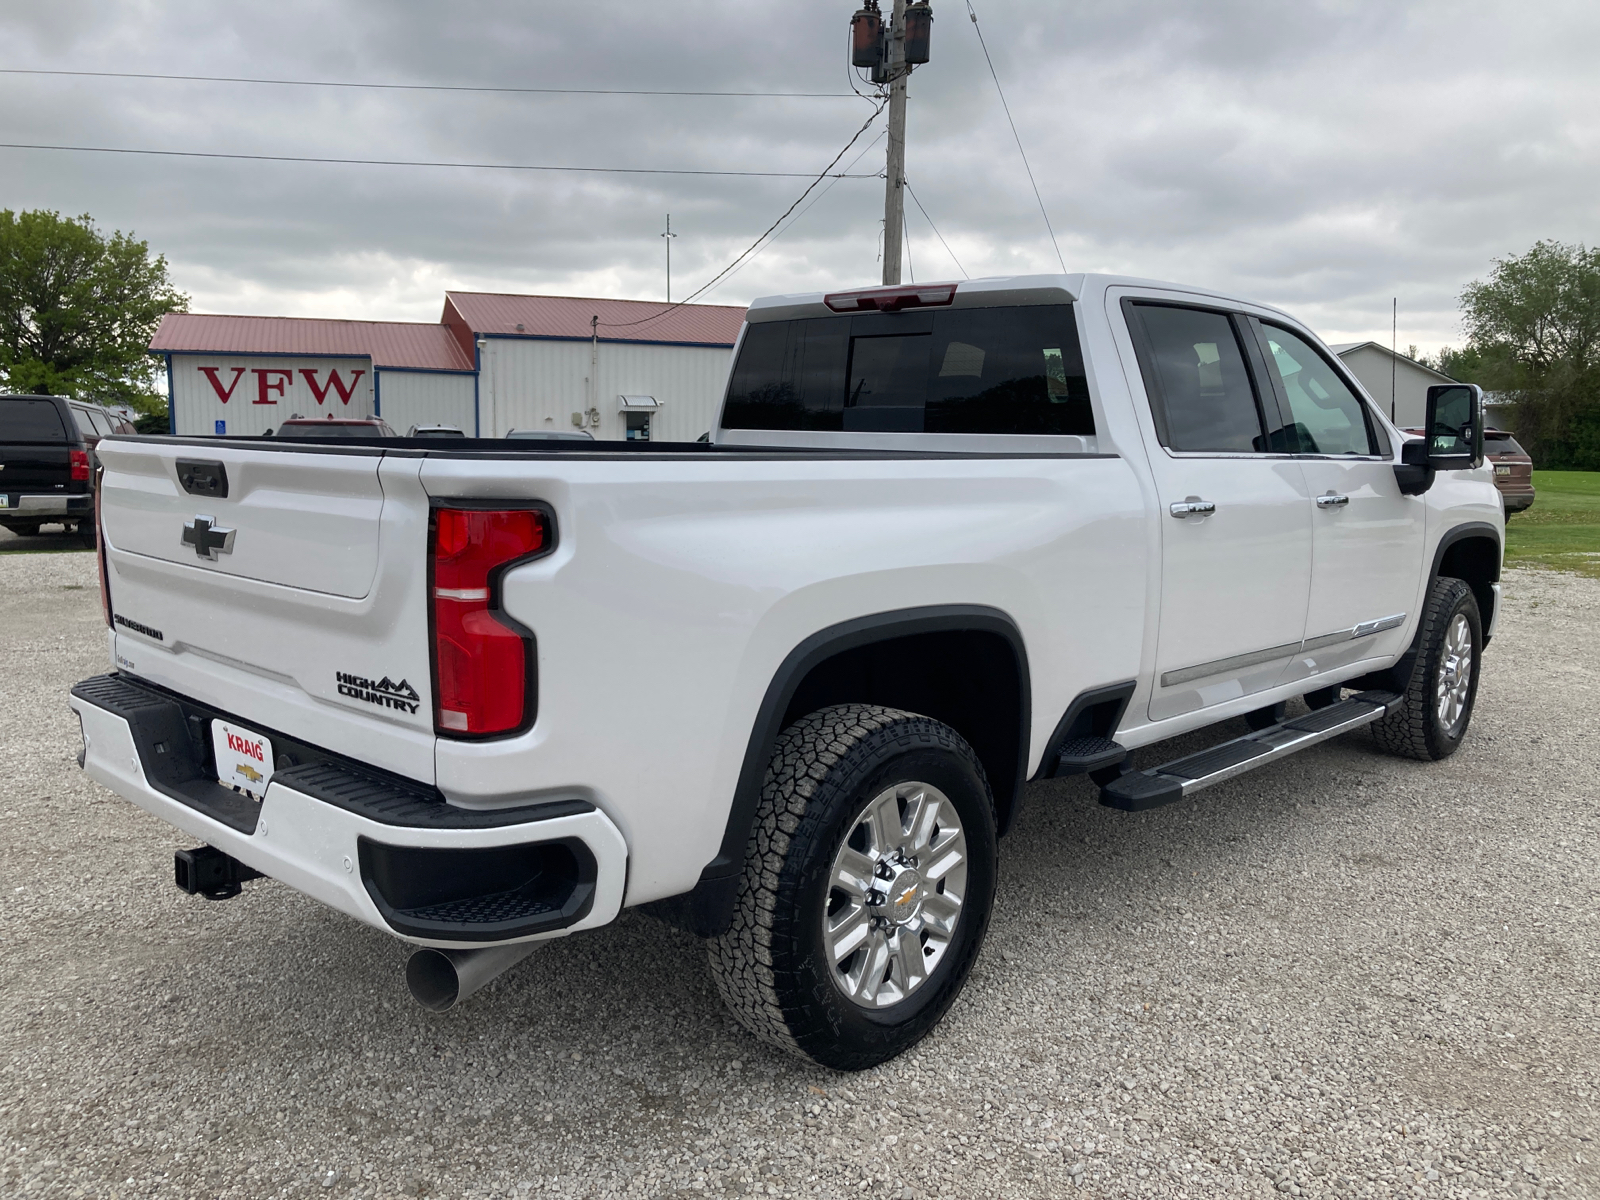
[
  {"x": 1193, "y": 506},
  {"x": 1332, "y": 500}
]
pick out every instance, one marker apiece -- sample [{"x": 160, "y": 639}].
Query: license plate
[
  {"x": 1502, "y": 470},
  {"x": 244, "y": 758},
  {"x": 5, "y": 500}
]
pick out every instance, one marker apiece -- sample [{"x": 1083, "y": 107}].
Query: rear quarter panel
[{"x": 678, "y": 589}]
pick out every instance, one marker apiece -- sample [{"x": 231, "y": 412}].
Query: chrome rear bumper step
[{"x": 1140, "y": 790}]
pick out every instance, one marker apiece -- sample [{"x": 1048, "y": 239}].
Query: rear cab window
[
  {"x": 1006, "y": 370},
  {"x": 35, "y": 421}
]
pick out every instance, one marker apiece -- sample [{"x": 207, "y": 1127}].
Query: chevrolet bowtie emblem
[{"x": 207, "y": 539}]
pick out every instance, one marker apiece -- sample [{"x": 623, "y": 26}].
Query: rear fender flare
[{"x": 707, "y": 909}]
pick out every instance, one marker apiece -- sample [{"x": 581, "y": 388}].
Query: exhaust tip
[
  {"x": 441, "y": 979},
  {"x": 433, "y": 980}
]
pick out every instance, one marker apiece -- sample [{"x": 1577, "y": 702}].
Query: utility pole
[
  {"x": 669, "y": 235},
  {"x": 894, "y": 193},
  {"x": 892, "y": 53}
]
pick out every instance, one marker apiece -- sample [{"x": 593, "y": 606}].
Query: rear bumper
[
  {"x": 1517, "y": 501},
  {"x": 378, "y": 851},
  {"x": 30, "y": 505}
]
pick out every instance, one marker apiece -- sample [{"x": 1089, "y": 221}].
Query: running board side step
[{"x": 1140, "y": 790}]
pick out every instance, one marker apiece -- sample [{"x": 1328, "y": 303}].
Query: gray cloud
[{"x": 1321, "y": 156}]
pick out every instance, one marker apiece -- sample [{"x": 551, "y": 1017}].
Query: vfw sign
[{"x": 274, "y": 385}]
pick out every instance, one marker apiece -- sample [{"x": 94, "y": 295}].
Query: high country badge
[{"x": 384, "y": 693}]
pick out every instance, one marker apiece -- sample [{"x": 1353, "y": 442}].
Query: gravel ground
[{"x": 1347, "y": 975}]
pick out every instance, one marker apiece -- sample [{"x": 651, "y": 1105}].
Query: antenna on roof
[{"x": 1394, "y": 356}]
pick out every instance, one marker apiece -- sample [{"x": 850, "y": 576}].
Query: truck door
[
  {"x": 1234, "y": 511},
  {"x": 1366, "y": 538}
]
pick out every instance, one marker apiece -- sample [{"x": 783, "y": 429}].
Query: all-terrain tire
[
  {"x": 1415, "y": 728},
  {"x": 772, "y": 968}
]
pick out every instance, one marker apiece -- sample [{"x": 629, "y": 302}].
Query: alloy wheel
[
  {"x": 895, "y": 893},
  {"x": 1455, "y": 675}
]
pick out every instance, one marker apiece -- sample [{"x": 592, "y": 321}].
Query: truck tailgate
[
  {"x": 297, "y": 601},
  {"x": 302, "y": 520}
]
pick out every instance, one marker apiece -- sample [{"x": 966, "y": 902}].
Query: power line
[
  {"x": 756, "y": 245},
  {"x": 937, "y": 234},
  {"x": 395, "y": 162},
  {"x": 426, "y": 87},
  {"x": 973, "y": 14},
  {"x": 815, "y": 200}
]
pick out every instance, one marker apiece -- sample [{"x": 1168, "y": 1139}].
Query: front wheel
[
  {"x": 867, "y": 887},
  {"x": 1439, "y": 692}
]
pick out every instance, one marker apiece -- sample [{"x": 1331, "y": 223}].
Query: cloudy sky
[{"x": 1321, "y": 156}]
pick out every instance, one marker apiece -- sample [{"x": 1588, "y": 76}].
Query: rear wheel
[
  {"x": 1442, "y": 686},
  {"x": 867, "y": 887}
]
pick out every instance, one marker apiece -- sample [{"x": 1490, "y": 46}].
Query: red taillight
[
  {"x": 481, "y": 659},
  {"x": 80, "y": 465},
  {"x": 891, "y": 299},
  {"x": 100, "y": 550}
]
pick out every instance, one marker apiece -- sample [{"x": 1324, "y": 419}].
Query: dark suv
[{"x": 47, "y": 462}]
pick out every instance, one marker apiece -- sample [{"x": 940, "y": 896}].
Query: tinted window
[
  {"x": 888, "y": 383},
  {"x": 85, "y": 425},
  {"x": 1010, "y": 370},
  {"x": 1328, "y": 419},
  {"x": 1502, "y": 443},
  {"x": 1200, "y": 391},
  {"x": 790, "y": 375},
  {"x": 103, "y": 425},
  {"x": 30, "y": 421}
]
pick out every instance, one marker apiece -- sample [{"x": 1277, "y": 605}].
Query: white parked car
[{"x": 785, "y": 688}]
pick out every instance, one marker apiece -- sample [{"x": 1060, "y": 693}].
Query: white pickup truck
[{"x": 784, "y": 688}]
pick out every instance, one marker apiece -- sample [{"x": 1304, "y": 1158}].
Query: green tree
[
  {"x": 1533, "y": 334},
  {"x": 78, "y": 309}
]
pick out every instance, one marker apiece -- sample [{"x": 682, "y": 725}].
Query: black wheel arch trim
[
  {"x": 708, "y": 908},
  {"x": 1468, "y": 530}
]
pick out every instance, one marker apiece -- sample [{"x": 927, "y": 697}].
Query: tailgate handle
[{"x": 203, "y": 478}]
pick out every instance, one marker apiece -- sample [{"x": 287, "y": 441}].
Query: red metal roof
[
  {"x": 392, "y": 344},
  {"x": 620, "y": 320}
]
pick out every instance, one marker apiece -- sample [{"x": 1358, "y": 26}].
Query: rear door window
[
  {"x": 1201, "y": 395},
  {"x": 1328, "y": 417},
  {"x": 1005, "y": 370},
  {"x": 31, "y": 421},
  {"x": 85, "y": 425}
]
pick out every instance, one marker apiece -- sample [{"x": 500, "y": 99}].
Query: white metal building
[
  {"x": 1399, "y": 384},
  {"x": 616, "y": 368}
]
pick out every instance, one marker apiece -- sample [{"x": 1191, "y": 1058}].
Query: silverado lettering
[{"x": 138, "y": 628}]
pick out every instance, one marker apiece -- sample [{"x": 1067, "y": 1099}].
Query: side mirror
[{"x": 1455, "y": 427}]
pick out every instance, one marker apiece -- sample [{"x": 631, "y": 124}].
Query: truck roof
[{"x": 987, "y": 292}]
